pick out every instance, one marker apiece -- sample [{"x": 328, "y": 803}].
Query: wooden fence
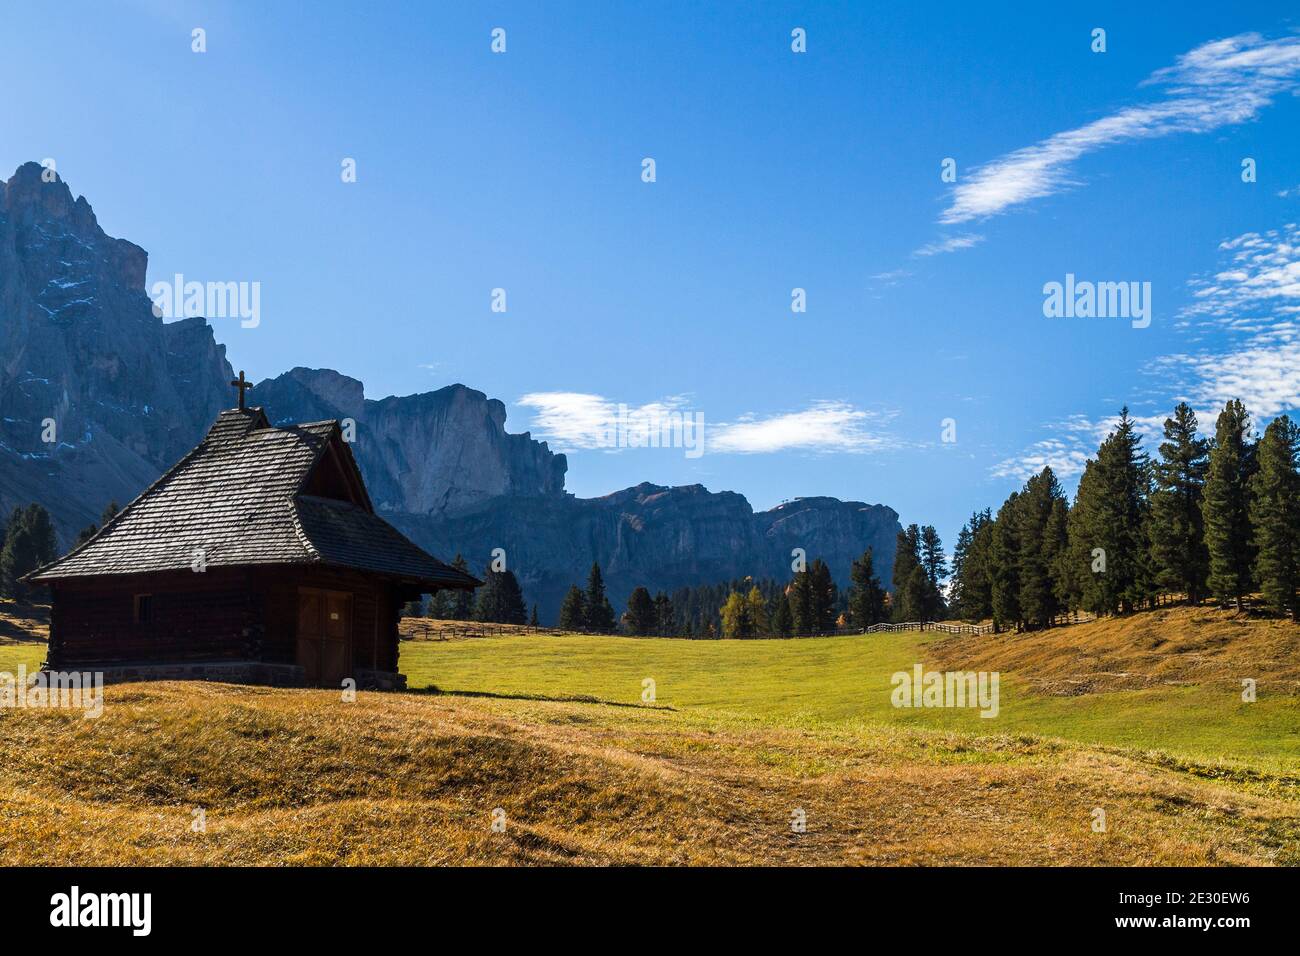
[
  {"x": 946, "y": 627},
  {"x": 422, "y": 630},
  {"x": 462, "y": 630}
]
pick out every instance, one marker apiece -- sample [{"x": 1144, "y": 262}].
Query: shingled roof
[{"x": 239, "y": 497}]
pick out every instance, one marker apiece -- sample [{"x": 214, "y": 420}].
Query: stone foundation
[{"x": 232, "y": 672}]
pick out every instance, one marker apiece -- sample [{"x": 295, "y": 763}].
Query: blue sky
[{"x": 774, "y": 170}]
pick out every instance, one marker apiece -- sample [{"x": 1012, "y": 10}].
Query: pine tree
[
  {"x": 866, "y": 596},
  {"x": 782, "y": 619},
  {"x": 513, "y": 608},
  {"x": 110, "y": 512},
  {"x": 640, "y": 619},
  {"x": 972, "y": 586},
  {"x": 1057, "y": 554},
  {"x": 1180, "y": 561},
  {"x": 909, "y": 603},
  {"x": 573, "y": 612},
  {"x": 1225, "y": 507},
  {"x": 453, "y": 605},
  {"x": 823, "y": 595},
  {"x": 1108, "y": 530},
  {"x": 600, "y": 613},
  {"x": 1005, "y": 565},
  {"x": 665, "y": 616},
  {"x": 29, "y": 544},
  {"x": 1275, "y": 515},
  {"x": 802, "y": 611},
  {"x": 500, "y": 600},
  {"x": 956, "y": 586},
  {"x": 487, "y": 600},
  {"x": 532, "y": 618},
  {"x": 1038, "y": 548},
  {"x": 935, "y": 564}
]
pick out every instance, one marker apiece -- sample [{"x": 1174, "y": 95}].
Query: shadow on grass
[{"x": 546, "y": 698}]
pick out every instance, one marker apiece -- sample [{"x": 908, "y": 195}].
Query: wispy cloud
[
  {"x": 581, "y": 421},
  {"x": 1221, "y": 83},
  {"x": 1252, "y": 298},
  {"x": 823, "y": 427},
  {"x": 949, "y": 244}
]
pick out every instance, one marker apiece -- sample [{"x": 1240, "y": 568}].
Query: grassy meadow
[
  {"x": 846, "y": 680},
  {"x": 1141, "y": 719}
]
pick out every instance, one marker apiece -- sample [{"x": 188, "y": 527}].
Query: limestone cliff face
[
  {"x": 129, "y": 395},
  {"x": 435, "y": 453},
  {"x": 80, "y": 345}
]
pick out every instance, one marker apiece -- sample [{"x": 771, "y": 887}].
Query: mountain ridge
[{"x": 127, "y": 394}]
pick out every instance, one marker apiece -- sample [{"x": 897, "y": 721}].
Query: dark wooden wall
[{"x": 221, "y": 614}]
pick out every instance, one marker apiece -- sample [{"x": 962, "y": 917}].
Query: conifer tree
[
  {"x": 909, "y": 599},
  {"x": 454, "y": 605},
  {"x": 532, "y": 618},
  {"x": 1180, "y": 561},
  {"x": 665, "y": 616},
  {"x": 573, "y": 611},
  {"x": 972, "y": 568},
  {"x": 935, "y": 564},
  {"x": 782, "y": 619},
  {"x": 802, "y": 611},
  {"x": 866, "y": 596},
  {"x": 1004, "y": 565},
  {"x": 1037, "y": 548},
  {"x": 29, "y": 544},
  {"x": 640, "y": 619},
  {"x": 1275, "y": 516},
  {"x": 758, "y": 612},
  {"x": 1108, "y": 530},
  {"x": 823, "y": 594},
  {"x": 1226, "y": 505},
  {"x": 500, "y": 599},
  {"x": 600, "y": 613}
]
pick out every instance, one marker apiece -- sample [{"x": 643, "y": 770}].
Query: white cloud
[
  {"x": 1221, "y": 83},
  {"x": 949, "y": 244},
  {"x": 825, "y": 427},
  {"x": 1254, "y": 299},
  {"x": 578, "y": 420},
  {"x": 581, "y": 421},
  {"x": 1066, "y": 459}
]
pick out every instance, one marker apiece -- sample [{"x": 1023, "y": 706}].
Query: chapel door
[{"x": 325, "y": 636}]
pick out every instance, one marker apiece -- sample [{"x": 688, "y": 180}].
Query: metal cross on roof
[{"x": 242, "y": 385}]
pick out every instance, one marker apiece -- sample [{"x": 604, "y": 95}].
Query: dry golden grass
[
  {"x": 431, "y": 629},
  {"x": 302, "y": 777},
  {"x": 22, "y": 623},
  {"x": 1170, "y": 646}
]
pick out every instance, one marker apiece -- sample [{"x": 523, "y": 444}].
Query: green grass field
[
  {"x": 554, "y": 731},
  {"x": 846, "y": 680}
]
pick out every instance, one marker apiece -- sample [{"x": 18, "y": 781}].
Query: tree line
[
  {"x": 28, "y": 543},
  {"x": 1215, "y": 518}
]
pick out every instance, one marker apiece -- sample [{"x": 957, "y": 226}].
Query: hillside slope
[
  {"x": 303, "y": 777},
  {"x": 1174, "y": 646}
]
